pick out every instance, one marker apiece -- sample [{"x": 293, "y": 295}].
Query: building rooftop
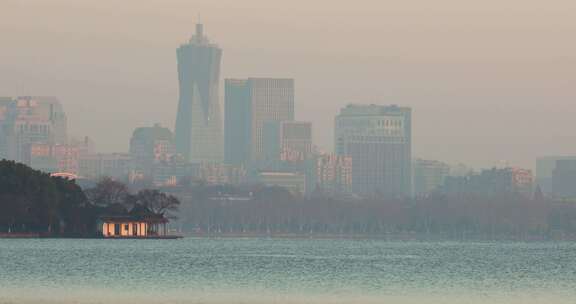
[
  {"x": 156, "y": 132},
  {"x": 373, "y": 110}
]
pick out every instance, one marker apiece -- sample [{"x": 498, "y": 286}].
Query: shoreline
[
  {"x": 405, "y": 237},
  {"x": 36, "y": 235},
  {"x": 390, "y": 237}
]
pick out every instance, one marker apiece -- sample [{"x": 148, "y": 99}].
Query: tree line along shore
[
  {"x": 272, "y": 211},
  {"x": 34, "y": 203}
]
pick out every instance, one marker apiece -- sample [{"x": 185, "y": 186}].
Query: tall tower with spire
[{"x": 198, "y": 131}]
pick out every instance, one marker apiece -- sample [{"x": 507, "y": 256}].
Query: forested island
[{"x": 35, "y": 203}]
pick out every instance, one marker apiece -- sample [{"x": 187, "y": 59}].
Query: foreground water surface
[{"x": 193, "y": 270}]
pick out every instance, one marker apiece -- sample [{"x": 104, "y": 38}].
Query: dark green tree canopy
[{"x": 32, "y": 200}]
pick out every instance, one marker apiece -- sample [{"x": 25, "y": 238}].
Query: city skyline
[
  {"x": 257, "y": 151},
  {"x": 479, "y": 91}
]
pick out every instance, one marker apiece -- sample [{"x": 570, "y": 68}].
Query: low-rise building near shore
[{"x": 138, "y": 223}]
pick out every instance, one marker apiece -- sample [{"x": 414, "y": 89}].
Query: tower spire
[
  {"x": 199, "y": 27},
  {"x": 199, "y": 30}
]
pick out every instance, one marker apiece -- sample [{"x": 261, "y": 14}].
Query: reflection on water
[{"x": 284, "y": 271}]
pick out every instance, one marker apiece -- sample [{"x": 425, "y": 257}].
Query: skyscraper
[
  {"x": 250, "y": 103},
  {"x": 198, "y": 132},
  {"x": 378, "y": 138}
]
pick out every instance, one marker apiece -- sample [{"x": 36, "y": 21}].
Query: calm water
[{"x": 284, "y": 271}]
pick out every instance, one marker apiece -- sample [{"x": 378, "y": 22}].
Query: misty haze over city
[
  {"x": 262, "y": 151},
  {"x": 488, "y": 82}
]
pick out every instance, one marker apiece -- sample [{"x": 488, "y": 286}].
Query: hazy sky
[{"x": 488, "y": 80}]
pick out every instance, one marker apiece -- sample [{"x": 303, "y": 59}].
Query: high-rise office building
[
  {"x": 250, "y": 103},
  {"x": 287, "y": 141},
  {"x": 198, "y": 132},
  {"x": 29, "y": 120},
  {"x": 378, "y": 138}
]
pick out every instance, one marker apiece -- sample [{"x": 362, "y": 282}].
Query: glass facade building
[
  {"x": 250, "y": 104},
  {"x": 198, "y": 132}
]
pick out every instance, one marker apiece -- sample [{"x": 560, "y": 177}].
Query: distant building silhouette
[
  {"x": 150, "y": 145},
  {"x": 220, "y": 174},
  {"x": 30, "y": 120},
  {"x": 379, "y": 140},
  {"x": 293, "y": 181},
  {"x": 490, "y": 182},
  {"x": 98, "y": 165},
  {"x": 331, "y": 174},
  {"x": 249, "y": 104},
  {"x": 429, "y": 175},
  {"x": 544, "y": 170},
  {"x": 564, "y": 178},
  {"x": 168, "y": 171},
  {"x": 52, "y": 158},
  {"x": 289, "y": 141},
  {"x": 198, "y": 132}
]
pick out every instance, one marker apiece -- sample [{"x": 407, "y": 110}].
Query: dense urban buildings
[
  {"x": 378, "y": 139},
  {"x": 149, "y": 146},
  {"x": 294, "y": 182},
  {"x": 544, "y": 170},
  {"x": 98, "y": 165},
  {"x": 198, "y": 132},
  {"x": 53, "y": 158},
  {"x": 220, "y": 174},
  {"x": 492, "y": 182},
  {"x": 30, "y": 120},
  {"x": 429, "y": 175},
  {"x": 260, "y": 142},
  {"x": 332, "y": 174},
  {"x": 289, "y": 141},
  {"x": 168, "y": 171},
  {"x": 250, "y": 104}
]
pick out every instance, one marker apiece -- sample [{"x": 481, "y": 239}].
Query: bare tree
[
  {"x": 157, "y": 202},
  {"x": 108, "y": 192}
]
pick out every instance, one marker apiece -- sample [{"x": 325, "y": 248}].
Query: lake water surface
[{"x": 196, "y": 270}]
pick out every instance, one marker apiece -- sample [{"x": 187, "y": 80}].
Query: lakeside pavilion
[{"x": 140, "y": 222}]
